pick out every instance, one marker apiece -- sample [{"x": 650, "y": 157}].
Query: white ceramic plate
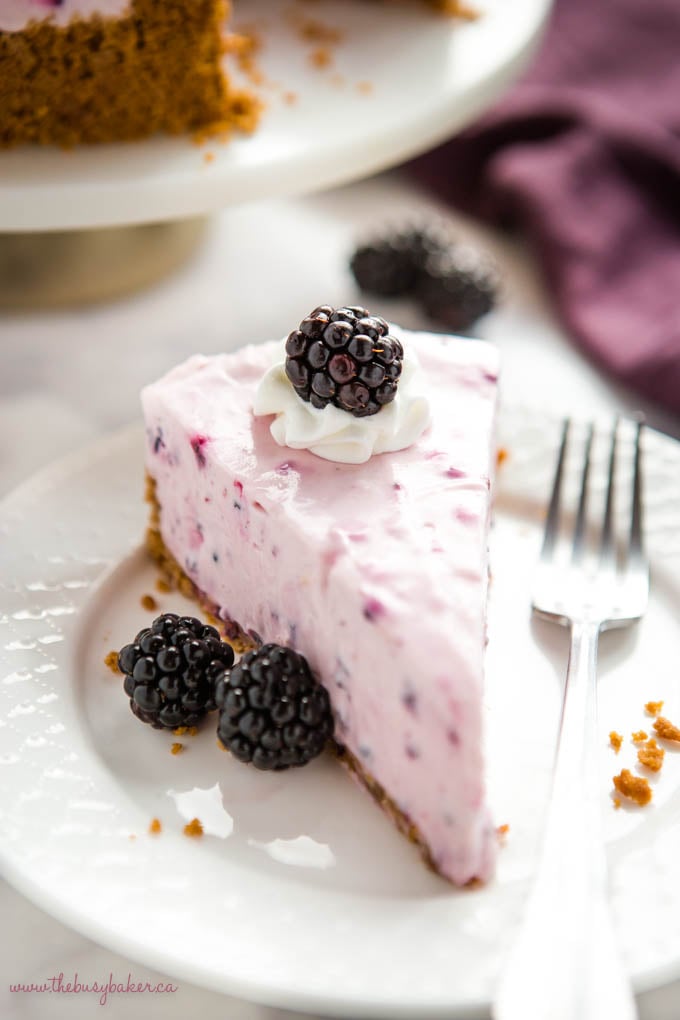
[
  {"x": 428, "y": 76},
  {"x": 301, "y": 894}
]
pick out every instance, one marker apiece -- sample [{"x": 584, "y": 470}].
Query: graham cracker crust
[
  {"x": 241, "y": 642},
  {"x": 158, "y": 68},
  {"x": 384, "y": 801}
]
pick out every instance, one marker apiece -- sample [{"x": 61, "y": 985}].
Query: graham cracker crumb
[
  {"x": 245, "y": 45},
  {"x": 314, "y": 31},
  {"x": 176, "y": 748},
  {"x": 155, "y": 828},
  {"x": 148, "y": 602},
  {"x": 180, "y": 731},
  {"x": 364, "y": 87},
  {"x": 220, "y": 745},
  {"x": 633, "y": 787},
  {"x": 321, "y": 57},
  {"x": 615, "y": 739},
  {"x": 638, "y": 736},
  {"x": 111, "y": 660},
  {"x": 665, "y": 729},
  {"x": 457, "y": 9},
  {"x": 501, "y": 456},
  {"x": 208, "y": 157},
  {"x": 193, "y": 828},
  {"x": 617, "y": 803},
  {"x": 290, "y": 98},
  {"x": 502, "y": 831},
  {"x": 651, "y": 755},
  {"x": 654, "y": 707},
  {"x": 162, "y": 586},
  {"x": 245, "y": 110}
]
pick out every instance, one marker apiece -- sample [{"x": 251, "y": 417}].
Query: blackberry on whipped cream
[
  {"x": 345, "y": 357},
  {"x": 329, "y": 431}
]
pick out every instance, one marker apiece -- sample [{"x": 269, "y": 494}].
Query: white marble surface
[{"x": 68, "y": 377}]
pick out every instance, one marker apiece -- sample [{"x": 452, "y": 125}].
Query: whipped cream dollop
[{"x": 335, "y": 434}]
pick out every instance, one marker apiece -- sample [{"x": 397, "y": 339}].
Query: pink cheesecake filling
[
  {"x": 15, "y": 15},
  {"x": 376, "y": 572}
]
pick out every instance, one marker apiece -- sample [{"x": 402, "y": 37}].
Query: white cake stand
[{"x": 400, "y": 80}]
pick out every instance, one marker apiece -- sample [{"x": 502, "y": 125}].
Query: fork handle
[{"x": 565, "y": 964}]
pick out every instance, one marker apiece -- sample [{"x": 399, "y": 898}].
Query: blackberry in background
[
  {"x": 453, "y": 282},
  {"x": 457, "y": 287},
  {"x": 389, "y": 263}
]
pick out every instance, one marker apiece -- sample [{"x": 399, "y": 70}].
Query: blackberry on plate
[
  {"x": 170, "y": 671},
  {"x": 273, "y": 712},
  {"x": 458, "y": 286},
  {"x": 389, "y": 264},
  {"x": 345, "y": 357}
]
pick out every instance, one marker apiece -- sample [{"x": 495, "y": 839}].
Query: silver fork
[{"x": 565, "y": 964}]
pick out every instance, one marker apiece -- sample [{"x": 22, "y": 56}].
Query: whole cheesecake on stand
[
  {"x": 89, "y": 71},
  {"x": 332, "y": 494},
  {"x": 84, "y": 71}
]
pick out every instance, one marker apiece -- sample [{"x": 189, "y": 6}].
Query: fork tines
[{"x": 606, "y": 545}]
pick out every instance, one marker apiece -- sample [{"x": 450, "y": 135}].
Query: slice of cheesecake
[{"x": 376, "y": 572}]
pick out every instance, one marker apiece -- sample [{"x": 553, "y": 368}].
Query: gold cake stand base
[{"x": 61, "y": 269}]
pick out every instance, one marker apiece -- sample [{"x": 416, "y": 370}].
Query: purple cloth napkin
[{"x": 583, "y": 155}]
